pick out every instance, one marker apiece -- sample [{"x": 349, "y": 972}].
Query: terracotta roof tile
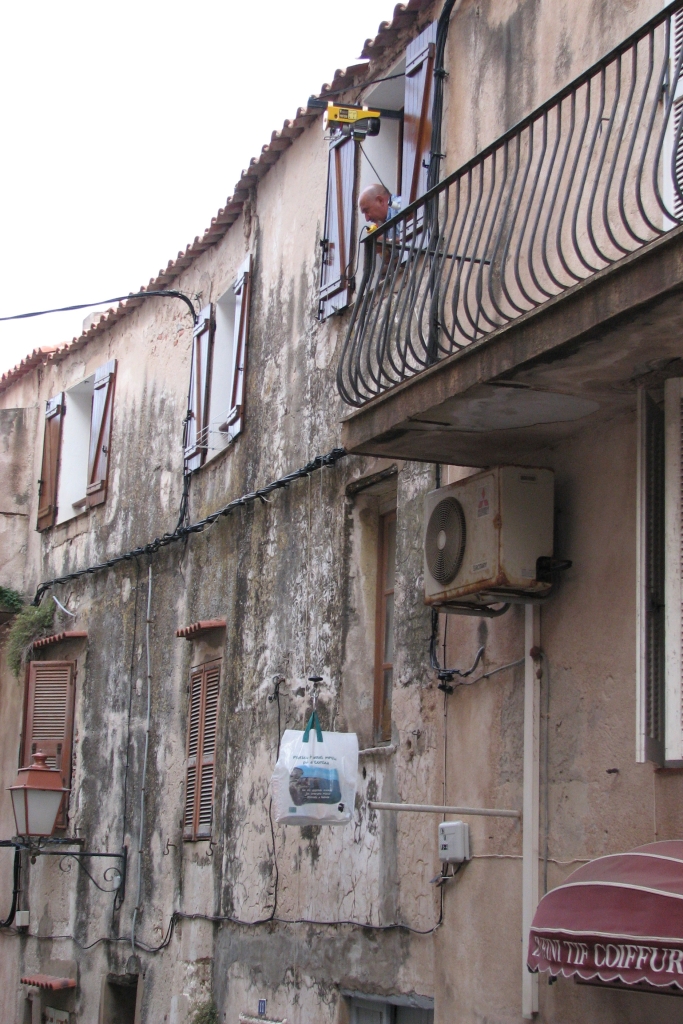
[
  {"x": 48, "y": 981},
  {"x": 197, "y": 628},
  {"x": 404, "y": 18},
  {"x": 69, "y": 634}
]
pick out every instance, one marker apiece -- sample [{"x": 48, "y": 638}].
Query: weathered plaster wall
[
  {"x": 588, "y": 636},
  {"x": 506, "y": 57},
  {"x": 294, "y": 580},
  {"x": 278, "y": 573}
]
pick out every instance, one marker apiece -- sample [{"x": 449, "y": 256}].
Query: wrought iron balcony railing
[{"x": 592, "y": 175}]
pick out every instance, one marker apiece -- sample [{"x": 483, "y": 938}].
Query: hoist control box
[{"x": 454, "y": 842}]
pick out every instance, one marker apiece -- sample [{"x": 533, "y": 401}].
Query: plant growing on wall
[
  {"x": 10, "y": 600},
  {"x": 30, "y": 625},
  {"x": 205, "y": 1013}
]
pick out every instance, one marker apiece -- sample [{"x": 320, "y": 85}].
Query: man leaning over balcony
[
  {"x": 374, "y": 203},
  {"x": 377, "y": 205}
]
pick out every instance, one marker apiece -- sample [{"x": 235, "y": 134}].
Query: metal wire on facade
[{"x": 183, "y": 532}]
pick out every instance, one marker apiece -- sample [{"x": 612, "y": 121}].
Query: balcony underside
[{"x": 573, "y": 362}]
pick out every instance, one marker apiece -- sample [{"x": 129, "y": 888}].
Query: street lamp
[{"x": 36, "y": 798}]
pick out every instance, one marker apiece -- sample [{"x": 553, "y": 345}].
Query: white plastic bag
[{"x": 314, "y": 782}]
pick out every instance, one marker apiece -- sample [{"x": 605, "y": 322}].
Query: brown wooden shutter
[
  {"x": 417, "y": 114},
  {"x": 336, "y": 275},
  {"x": 242, "y": 288},
  {"x": 48, "y": 719},
  {"x": 49, "y": 473},
  {"x": 100, "y": 434},
  {"x": 201, "y": 751},
  {"x": 197, "y": 421}
]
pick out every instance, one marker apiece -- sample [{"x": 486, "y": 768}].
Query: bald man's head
[{"x": 374, "y": 203}]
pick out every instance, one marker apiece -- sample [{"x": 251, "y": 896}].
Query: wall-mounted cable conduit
[
  {"x": 144, "y": 759},
  {"x": 16, "y": 889},
  {"x": 484, "y": 812},
  {"x": 182, "y": 532}
]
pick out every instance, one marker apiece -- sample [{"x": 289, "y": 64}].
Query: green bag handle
[{"x": 313, "y": 721}]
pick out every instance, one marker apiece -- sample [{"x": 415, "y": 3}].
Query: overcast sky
[{"x": 125, "y": 127}]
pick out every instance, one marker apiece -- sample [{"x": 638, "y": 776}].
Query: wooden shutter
[
  {"x": 49, "y": 472},
  {"x": 674, "y": 167},
  {"x": 336, "y": 274},
  {"x": 417, "y": 114},
  {"x": 201, "y": 750},
  {"x": 242, "y": 289},
  {"x": 100, "y": 434},
  {"x": 48, "y": 721},
  {"x": 650, "y": 582},
  {"x": 197, "y": 421},
  {"x": 673, "y": 582}
]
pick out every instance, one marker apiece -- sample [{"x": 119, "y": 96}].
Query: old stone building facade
[{"x": 218, "y": 605}]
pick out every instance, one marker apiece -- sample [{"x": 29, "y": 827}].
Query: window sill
[{"x": 213, "y": 460}]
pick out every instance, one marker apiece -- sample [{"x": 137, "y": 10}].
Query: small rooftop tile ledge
[
  {"x": 197, "y": 628},
  {"x": 56, "y": 638}
]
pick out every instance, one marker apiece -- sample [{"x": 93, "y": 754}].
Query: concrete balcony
[
  {"x": 534, "y": 290},
  {"x": 579, "y": 358}
]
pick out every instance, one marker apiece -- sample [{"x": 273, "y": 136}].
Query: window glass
[
  {"x": 73, "y": 467},
  {"x": 221, "y": 375}
]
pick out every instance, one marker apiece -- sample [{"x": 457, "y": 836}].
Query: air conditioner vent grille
[{"x": 445, "y": 540}]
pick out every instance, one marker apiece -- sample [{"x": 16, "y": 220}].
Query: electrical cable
[
  {"x": 62, "y": 608},
  {"x": 16, "y": 875},
  {"x": 546, "y": 784},
  {"x": 167, "y": 293},
  {"x": 360, "y": 144},
  {"x": 144, "y": 760},
  {"x": 275, "y": 696},
  {"x": 181, "y": 533},
  {"x": 446, "y": 674},
  {"x": 440, "y": 73},
  {"x": 130, "y": 703}
]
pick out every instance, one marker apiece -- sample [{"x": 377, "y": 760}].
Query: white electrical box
[
  {"x": 21, "y": 919},
  {"x": 485, "y": 534},
  {"x": 454, "y": 842}
]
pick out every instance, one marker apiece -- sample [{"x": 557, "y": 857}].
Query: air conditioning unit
[{"x": 484, "y": 536}]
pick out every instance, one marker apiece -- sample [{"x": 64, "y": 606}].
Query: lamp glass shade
[
  {"x": 42, "y": 806},
  {"x": 19, "y": 805},
  {"x": 36, "y": 798}
]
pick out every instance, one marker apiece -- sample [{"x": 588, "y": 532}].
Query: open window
[
  {"x": 76, "y": 444},
  {"x": 397, "y": 158},
  {"x": 215, "y": 408},
  {"x": 204, "y": 690},
  {"x": 48, "y": 719},
  {"x": 338, "y": 259}
]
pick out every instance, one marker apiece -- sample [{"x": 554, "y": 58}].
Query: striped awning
[{"x": 616, "y": 921}]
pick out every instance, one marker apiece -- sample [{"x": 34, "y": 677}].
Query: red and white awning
[{"x": 617, "y": 920}]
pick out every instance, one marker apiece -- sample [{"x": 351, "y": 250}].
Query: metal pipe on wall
[
  {"x": 144, "y": 761},
  {"x": 487, "y": 812},
  {"x": 530, "y": 802}
]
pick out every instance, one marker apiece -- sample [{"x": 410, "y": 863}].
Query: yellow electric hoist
[{"x": 351, "y": 120}]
